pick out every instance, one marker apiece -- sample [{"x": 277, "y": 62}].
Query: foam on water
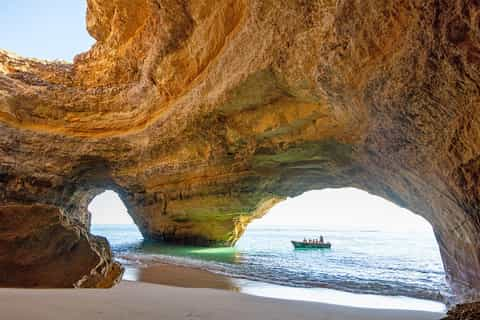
[
  {"x": 369, "y": 263},
  {"x": 337, "y": 297}
]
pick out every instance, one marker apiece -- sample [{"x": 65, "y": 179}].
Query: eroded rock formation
[
  {"x": 203, "y": 114},
  {"x": 468, "y": 311},
  {"x": 40, "y": 247}
]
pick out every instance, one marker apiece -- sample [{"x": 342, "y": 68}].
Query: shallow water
[{"x": 367, "y": 262}]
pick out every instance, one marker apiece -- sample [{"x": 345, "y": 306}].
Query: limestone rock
[
  {"x": 40, "y": 247},
  {"x": 469, "y": 311},
  {"x": 201, "y": 114}
]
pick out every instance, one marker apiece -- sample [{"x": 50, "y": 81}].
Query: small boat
[{"x": 307, "y": 245}]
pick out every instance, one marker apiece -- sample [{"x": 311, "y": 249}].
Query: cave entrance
[
  {"x": 48, "y": 29},
  {"x": 110, "y": 219},
  {"x": 377, "y": 247}
]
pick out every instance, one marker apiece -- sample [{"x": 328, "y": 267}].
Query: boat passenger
[
  {"x": 304, "y": 240},
  {"x": 321, "y": 239}
]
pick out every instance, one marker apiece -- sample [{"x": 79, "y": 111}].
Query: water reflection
[
  {"x": 360, "y": 262},
  {"x": 225, "y": 255},
  {"x": 178, "y": 276}
]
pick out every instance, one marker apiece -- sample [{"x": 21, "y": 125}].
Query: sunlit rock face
[{"x": 203, "y": 114}]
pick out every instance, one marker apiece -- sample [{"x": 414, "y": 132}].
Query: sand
[
  {"x": 188, "y": 277},
  {"x": 180, "y": 276},
  {"x": 139, "y": 301}
]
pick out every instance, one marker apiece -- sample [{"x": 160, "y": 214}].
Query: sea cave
[{"x": 202, "y": 115}]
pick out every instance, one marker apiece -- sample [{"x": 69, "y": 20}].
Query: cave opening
[
  {"x": 51, "y": 30},
  {"x": 378, "y": 250},
  {"x": 377, "y": 247},
  {"x": 110, "y": 219}
]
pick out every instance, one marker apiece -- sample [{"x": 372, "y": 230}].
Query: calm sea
[{"x": 369, "y": 261}]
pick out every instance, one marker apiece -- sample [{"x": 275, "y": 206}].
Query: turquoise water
[{"x": 368, "y": 262}]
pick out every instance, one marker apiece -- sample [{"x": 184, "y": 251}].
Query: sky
[
  {"x": 44, "y": 29},
  {"x": 108, "y": 208},
  {"x": 333, "y": 209},
  {"x": 345, "y": 208},
  {"x": 55, "y": 29}
]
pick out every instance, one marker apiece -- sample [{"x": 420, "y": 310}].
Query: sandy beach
[
  {"x": 142, "y": 301},
  {"x": 180, "y": 276}
]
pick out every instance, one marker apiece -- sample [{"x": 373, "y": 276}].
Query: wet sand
[
  {"x": 178, "y": 276},
  {"x": 142, "y": 301},
  {"x": 188, "y": 277}
]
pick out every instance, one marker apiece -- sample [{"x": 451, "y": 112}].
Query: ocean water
[{"x": 365, "y": 262}]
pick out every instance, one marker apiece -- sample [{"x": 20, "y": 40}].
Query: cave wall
[
  {"x": 41, "y": 247},
  {"x": 203, "y": 114}
]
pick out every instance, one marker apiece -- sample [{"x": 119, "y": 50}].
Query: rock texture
[
  {"x": 39, "y": 247},
  {"x": 203, "y": 114},
  {"x": 468, "y": 311}
]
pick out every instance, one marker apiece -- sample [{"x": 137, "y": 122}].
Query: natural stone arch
[{"x": 194, "y": 107}]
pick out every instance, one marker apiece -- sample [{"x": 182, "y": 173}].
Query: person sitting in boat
[
  {"x": 321, "y": 239},
  {"x": 304, "y": 240}
]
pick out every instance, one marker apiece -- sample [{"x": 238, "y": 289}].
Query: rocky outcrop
[
  {"x": 40, "y": 247},
  {"x": 203, "y": 114},
  {"x": 469, "y": 311}
]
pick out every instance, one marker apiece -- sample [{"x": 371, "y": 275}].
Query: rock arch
[{"x": 204, "y": 114}]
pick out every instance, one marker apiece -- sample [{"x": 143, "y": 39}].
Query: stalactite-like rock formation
[{"x": 203, "y": 114}]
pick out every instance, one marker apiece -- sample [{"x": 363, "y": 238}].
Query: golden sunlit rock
[{"x": 203, "y": 114}]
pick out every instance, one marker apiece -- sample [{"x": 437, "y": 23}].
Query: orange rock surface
[{"x": 203, "y": 114}]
